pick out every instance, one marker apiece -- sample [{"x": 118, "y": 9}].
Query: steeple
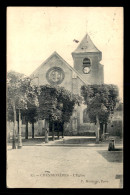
[{"x": 86, "y": 45}]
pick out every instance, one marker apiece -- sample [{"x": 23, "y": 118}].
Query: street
[{"x": 58, "y": 166}]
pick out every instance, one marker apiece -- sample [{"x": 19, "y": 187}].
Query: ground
[{"x": 64, "y": 163}]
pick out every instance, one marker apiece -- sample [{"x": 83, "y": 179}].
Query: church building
[{"x": 86, "y": 70}]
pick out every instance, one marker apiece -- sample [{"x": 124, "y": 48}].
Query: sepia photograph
[{"x": 64, "y": 86}]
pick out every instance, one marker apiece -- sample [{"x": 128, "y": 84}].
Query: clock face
[
  {"x": 55, "y": 75},
  {"x": 86, "y": 70}
]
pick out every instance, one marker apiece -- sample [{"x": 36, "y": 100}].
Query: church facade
[{"x": 86, "y": 70}]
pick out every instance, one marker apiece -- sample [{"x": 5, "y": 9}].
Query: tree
[
  {"x": 101, "y": 101},
  {"x": 68, "y": 101},
  {"x": 20, "y": 94},
  {"x": 13, "y": 98},
  {"x": 48, "y": 107},
  {"x": 56, "y": 106}
]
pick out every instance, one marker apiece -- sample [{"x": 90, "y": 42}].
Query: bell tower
[{"x": 87, "y": 61}]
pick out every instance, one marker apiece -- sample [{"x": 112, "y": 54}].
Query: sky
[{"x": 34, "y": 33}]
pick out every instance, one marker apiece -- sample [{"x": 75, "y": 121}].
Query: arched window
[
  {"x": 86, "y": 62},
  {"x": 86, "y": 65}
]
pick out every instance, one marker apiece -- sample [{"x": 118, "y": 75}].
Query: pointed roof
[
  {"x": 86, "y": 45},
  {"x": 70, "y": 67}
]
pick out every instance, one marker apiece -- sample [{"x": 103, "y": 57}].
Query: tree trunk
[
  {"x": 14, "y": 128},
  {"x": 26, "y": 132},
  {"x": 18, "y": 126},
  {"x": 62, "y": 130},
  {"x": 32, "y": 129},
  {"x": 19, "y": 134},
  {"x": 101, "y": 131},
  {"x": 58, "y": 134},
  {"x": 58, "y": 130},
  {"x": 97, "y": 130},
  {"x": 105, "y": 127},
  {"x": 46, "y": 131},
  {"x": 53, "y": 133},
  {"x": 103, "y": 135}
]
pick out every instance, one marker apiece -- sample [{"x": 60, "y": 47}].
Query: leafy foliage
[
  {"x": 101, "y": 101},
  {"x": 20, "y": 93},
  {"x": 120, "y": 107},
  {"x": 53, "y": 103},
  {"x": 56, "y": 103}
]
